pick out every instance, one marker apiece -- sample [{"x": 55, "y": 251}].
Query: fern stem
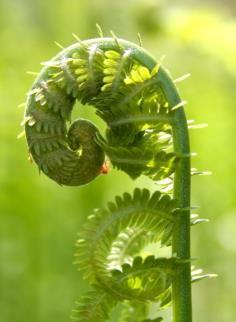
[
  {"x": 182, "y": 301},
  {"x": 181, "y": 287}
]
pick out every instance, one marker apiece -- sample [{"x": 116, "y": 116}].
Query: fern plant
[{"x": 147, "y": 134}]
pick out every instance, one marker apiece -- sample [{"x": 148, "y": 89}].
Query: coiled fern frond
[{"x": 146, "y": 135}]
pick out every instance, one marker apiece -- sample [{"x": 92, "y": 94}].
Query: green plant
[{"x": 147, "y": 134}]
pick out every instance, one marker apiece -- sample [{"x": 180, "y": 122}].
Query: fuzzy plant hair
[{"x": 147, "y": 134}]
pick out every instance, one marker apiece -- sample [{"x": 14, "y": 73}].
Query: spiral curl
[{"x": 126, "y": 95}]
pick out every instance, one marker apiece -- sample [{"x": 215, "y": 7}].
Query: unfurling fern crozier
[{"x": 146, "y": 135}]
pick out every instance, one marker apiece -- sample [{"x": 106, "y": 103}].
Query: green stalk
[
  {"x": 181, "y": 288},
  {"x": 182, "y": 301}
]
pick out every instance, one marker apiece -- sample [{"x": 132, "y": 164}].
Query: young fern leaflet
[{"x": 146, "y": 135}]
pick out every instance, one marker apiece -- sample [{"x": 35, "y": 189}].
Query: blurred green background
[{"x": 39, "y": 220}]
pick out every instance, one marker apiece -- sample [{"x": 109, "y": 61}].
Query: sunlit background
[{"x": 39, "y": 220}]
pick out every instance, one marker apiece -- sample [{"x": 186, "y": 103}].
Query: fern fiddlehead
[{"x": 146, "y": 135}]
